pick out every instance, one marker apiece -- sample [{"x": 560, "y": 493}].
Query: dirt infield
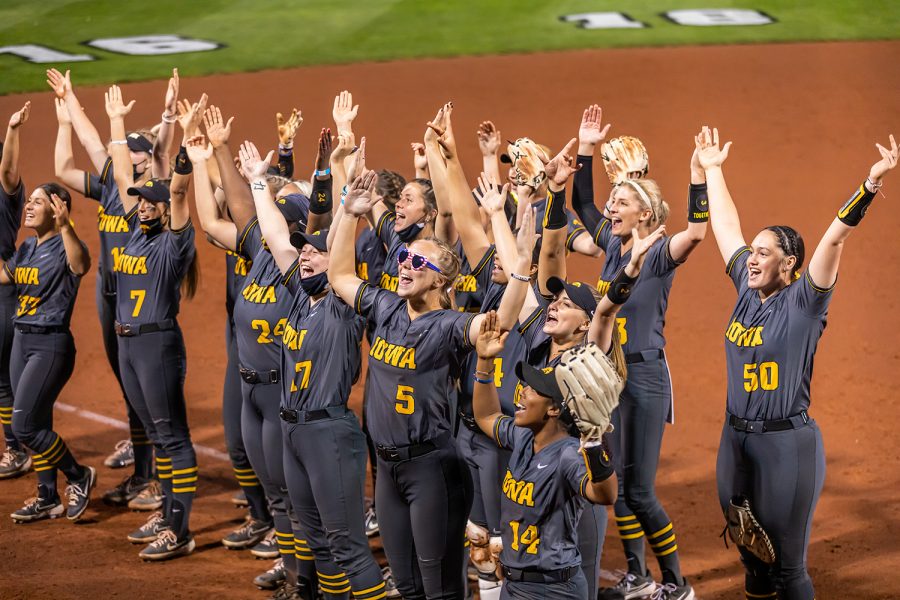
[{"x": 803, "y": 118}]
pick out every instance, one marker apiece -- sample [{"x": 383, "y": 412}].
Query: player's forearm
[
  {"x": 514, "y": 296},
  {"x": 504, "y": 241},
  {"x": 121, "y": 162},
  {"x": 603, "y": 492},
  {"x": 485, "y": 400},
  {"x": 181, "y": 213},
  {"x": 76, "y": 255},
  {"x": 208, "y": 212},
  {"x": 87, "y": 134},
  {"x": 723, "y": 214},
  {"x": 9, "y": 164},
  {"x": 161, "y": 149},
  {"x": 237, "y": 195},
  {"x": 491, "y": 166},
  {"x": 64, "y": 161},
  {"x": 342, "y": 260},
  {"x": 444, "y": 227},
  {"x": 272, "y": 225},
  {"x": 465, "y": 212},
  {"x": 552, "y": 260}
]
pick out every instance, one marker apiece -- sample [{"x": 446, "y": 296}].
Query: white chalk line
[{"x": 117, "y": 424}]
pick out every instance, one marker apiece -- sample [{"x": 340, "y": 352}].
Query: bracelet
[
  {"x": 484, "y": 381},
  {"x": 875, "y": 186},
  {"x": 118, "y": 142},
  {"x": 169, "y": 118},
  {"x": 287, "y": 147},
  {"x": 482, "y": 373},
  {"x": 319, "y": 173},
  {"x": 520, "y": 277}
]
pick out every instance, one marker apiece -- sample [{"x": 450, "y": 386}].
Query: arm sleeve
[
  {"x": 291, "y": 278},
  {"x": 574, "y": 470},
  {"x": 320, "y": 203},
  {"x": 583, "y": 194},
  {"x": 737, "y": 268},
  {"x": 374, "y": 303},
  {"x": 93, "y": 188},
  {"x": 249, "y": 241},
  {"x": 809, "y": 297}
]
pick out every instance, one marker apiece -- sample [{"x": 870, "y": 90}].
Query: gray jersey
[
  {"x": 370, "y": 256},
  {"x": 44, "y": 283},
  {"x": 236, "y": 268},
  {"x": 769, "y": 347},
  {"x": 112, "y": 223},
  {"x": 413, "y": 367},
  {"x": 261, "y": 306},
  {"x": 642, "y": 318},
  {"x": 320, "y": 349},
  {"x": 390, "y": 271},
  {"x": 10, "y": 218},
  {"x": 573, "y": 229},
  {"x": 543, "y": 496},
  {"x": 472, "y": 283},
  {"x": 149, "y": 270}
]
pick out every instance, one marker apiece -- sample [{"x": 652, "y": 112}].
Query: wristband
[
  {"x": 286, "y": 149},
  {"x": 698, "y": 204},
  {"x": 555, "y": 214},
  {"x": 520, "y": 277},
  {"x": 118, "y": 142},
  {"x": 852, "y": 212},
  {"x": 620, "y": 287},
  {"x": 320, "y": 201},
  {"x": 319, "y": 173},
  {"x": 598, "y": 462},
  {"x": 183, "y": 165},
  {"x": 484, "y": 381}
]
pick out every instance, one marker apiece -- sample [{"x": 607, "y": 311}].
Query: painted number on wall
[
  {"x": 140, "y": 45},
  {"x": 706, "y": 17}
]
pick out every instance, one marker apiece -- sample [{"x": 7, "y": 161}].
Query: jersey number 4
[
  {"x": 762, "y": 375},
  {"x": 529, "y": 538}
]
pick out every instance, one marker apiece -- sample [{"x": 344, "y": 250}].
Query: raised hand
[
  {"x": 888, "y": 161},
  {"x": 435, "y": 128},
  {"x": 491, "y": 196},
  {"x": 563, "y": 165},
  {"x": 19, "y": 117},
  {"x": 526, "y": 237},
  {"x": 346, "y": 144},
  {"x": 172, "y": 93},
  {"x": 190, "y": 115},
  {"x": 420, "y": 161},
  {"x": 360, "y": 196},
  {"x": 287, "y": 129},
  {"x": 707, "y": 146},
  {"x": 217, "y": 130},
  {"x": 344, "y": 111},
  {"x": 491, "y": 340},
  {"x": 488, "y": 138},
  {"x": 357, "y": 164},
  {"x": 592, "y": 131},
  {"x": 61, "y": 84},
  {"x": 444, "y": 130},
  {"x": 251, "y": 163},
  {"x": 62, "y": 112},
  {"x": 60, "y": 212},
  {"x": 115, "y": 106},
  {"x": 197, "y": 149},
  {"x": 323, "y": 153},
  {"x": 642, "y": 245}
]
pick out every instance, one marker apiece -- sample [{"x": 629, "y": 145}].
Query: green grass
[{"x": 266, "y": 34}]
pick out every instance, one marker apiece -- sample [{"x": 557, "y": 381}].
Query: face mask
[
  {"x": 135, "y": 175},
  {"x": 408, "y": 234},
  {"x": 315, "y": 284},
  {"x": 152, "y": 226}
]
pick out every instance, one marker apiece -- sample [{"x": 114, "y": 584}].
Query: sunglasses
[{"x": 417, "y": 261}]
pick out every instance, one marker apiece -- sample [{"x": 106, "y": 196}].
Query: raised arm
[
  {"x": 441, "y": 127},
  {"x": 180, "y": 212},
  {"x": 84, "y": 129},
  {"x": 116, "y": 110},
  {"x": 222, "y": 232},
  {"x": 552, "y": 261},
  {"x": 321, "y": 203},
  {"x": 76, "y": 254},
  {"x": 823, "y": 266},
  {"x": 237, "y": 194},
  {"x": 287, "y": 131},
  {"x": 489, "y": 344},
  {"x": 684, "y": 242},
  {"x": 604, "y": 321},
  {"x": 726, "y": 224},
  {"x": 161, "y": 168},
  {"x": 344, "y": 112},
  {"x": 590, "y": 133},
  {"x": 342, "y": 256},
  {"x": 9, "y": 164},
  {"x": 518, "y": 299},
  {"x": 489, "y": 144},
  {"x": 420, "y": 161},
  {"x": 63, "y": 158}
]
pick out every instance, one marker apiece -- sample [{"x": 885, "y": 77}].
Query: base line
[{"x": 117, "y": 424}]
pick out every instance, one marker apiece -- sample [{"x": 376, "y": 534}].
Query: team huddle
[{"x": 504, "y": 405}]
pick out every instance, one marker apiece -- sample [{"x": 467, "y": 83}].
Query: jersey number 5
[
  {"x": 764, "y": 375},
  {"x": 529, "y": 538},
  {"x": 406, "y": 404}
]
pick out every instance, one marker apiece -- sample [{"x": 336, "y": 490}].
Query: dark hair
[
  {"x": 791, "y": 243},
  {"x": 55, "y": 188},
  {"x": 191, "y": 280},
  {"x": 389, "y": 186},
  {"x": 427, "y": 194}
]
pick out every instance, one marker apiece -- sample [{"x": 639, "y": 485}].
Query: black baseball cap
[
  {"x": 543, "y": 381},
  {"x": 317, "y": 240},
  {"x": 138, "y": 143},
  {"x": 153, "y": 190},
  {"x": 294, "y": 208},
  {"x": 579, "y": 293}
]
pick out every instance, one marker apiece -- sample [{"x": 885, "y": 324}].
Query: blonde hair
[
  {"x": 648, "y": 192},
  {"x": 449, "y": 263}
]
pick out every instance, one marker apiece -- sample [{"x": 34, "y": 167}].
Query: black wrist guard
[
  {"x": 555, "y": 215},
  {"x": 321, "y": 202},
  {"x": 855, "y": 208},
  {"x": 598, "y": 462},
  {"x": 183, "y": 164},
  {"x": 620, "y": 287},
  {"x": 698, "y": 204}
]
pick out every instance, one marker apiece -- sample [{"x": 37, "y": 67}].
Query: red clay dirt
[{"x": 804, "y": 119}]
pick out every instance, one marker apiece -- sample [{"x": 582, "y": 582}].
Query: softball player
[
  {"x": 424, "y": 489},
  {"x": 157, "y": 259},
  {"x": 320, "y": 341},
  {"x": 771, "y": 451},
  {"x": 646, "y": 404},
  {"x": 15, "y": 460},
  {"x": 46, "y": 271}
]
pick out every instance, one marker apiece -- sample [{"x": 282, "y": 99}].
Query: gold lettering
[
  {"x": 520, "y": 492},
  {"x": 746, "y": 337}
]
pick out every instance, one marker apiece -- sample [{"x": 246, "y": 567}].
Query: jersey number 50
[{"x": 762, "y": 375}]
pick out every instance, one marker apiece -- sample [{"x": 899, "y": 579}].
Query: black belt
[
  {"x": 795, "y": 422},
  {"x": 129, "y": 330},
  {"x": 396, "y": 454},
  {"x": 24, "y": 328},
  {"x": 556, "y": 576},
  {"x": 265, "y": 377},
  {"x": 290, "y": 415},
  {"x": 645, "y": 356}
]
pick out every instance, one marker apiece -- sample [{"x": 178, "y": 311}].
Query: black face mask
[
  {"x": 152, "y": 227},
  {"x": 314, "y": 284},
  {"x": 408, "y": 234},
  {"x": 134, "y": 172}
]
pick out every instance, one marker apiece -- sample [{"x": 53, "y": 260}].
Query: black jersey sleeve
[
  {"x": 659, "y": 261},
  {"x": 602, "y": 234},
  {"x": 574, "y": 471},
  {"x": 574, "y": 230},
  {"x": 291, "y": 279},
  {"x": 737, "y": 268},
  {"x": 181, "y": 246},
  {"x": 249, "y": 241},
  {"x": 504, "y": 432},
  {"x": 384, "y": 229},
  {"x": 375, "y": 303},
  {"x": 93, "y": 188},
  {"x": 811, "y": 298}
]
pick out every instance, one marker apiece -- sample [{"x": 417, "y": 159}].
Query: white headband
[{"x": 640, "y": 192}]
